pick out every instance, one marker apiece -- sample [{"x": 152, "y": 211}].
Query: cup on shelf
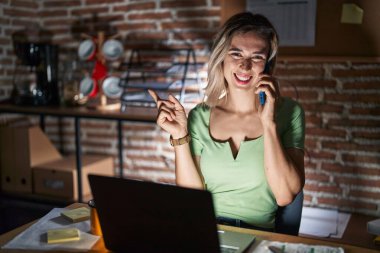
[
  {"x": 112, "y": 49},
  {"x": 111, "y": 87},
  {"x": 87, "y": 49},
  {"x": 88, "y": 87}
]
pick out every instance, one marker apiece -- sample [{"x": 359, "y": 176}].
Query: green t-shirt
[{"x": 239, "y": 186}]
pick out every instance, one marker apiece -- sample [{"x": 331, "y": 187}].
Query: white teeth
[{"x": 243, "y": 78}]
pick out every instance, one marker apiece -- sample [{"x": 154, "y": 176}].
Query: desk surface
[
  {"x": 147, "y": 114},
  {"x": 261, "y": 235}
]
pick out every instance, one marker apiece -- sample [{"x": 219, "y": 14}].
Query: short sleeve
[
  {"x": 293, "y": 135},
  {"x": 195, "y": 126}
]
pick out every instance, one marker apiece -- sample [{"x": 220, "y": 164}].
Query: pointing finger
[{"x": 154, "y": 95}]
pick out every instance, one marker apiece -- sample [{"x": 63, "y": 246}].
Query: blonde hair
[{"x": 238, "y": 24}]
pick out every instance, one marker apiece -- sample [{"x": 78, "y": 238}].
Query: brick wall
[{"x": 340, "y": 97}]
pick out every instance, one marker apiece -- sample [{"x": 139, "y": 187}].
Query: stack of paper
[{"x": 323, "y": 223}]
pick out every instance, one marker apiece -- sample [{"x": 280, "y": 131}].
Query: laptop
[{"x": 138, "y": 216}]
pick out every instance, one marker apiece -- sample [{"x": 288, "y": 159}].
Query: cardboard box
[
  {"x": 59, "y": 178},
  {"x": 21, "y": 148}
]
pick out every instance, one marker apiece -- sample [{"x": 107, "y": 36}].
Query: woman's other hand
[
  {"x": 268, "y": 85},
  {"x": 171, "y": 115}
]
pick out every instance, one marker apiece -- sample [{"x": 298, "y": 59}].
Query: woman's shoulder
[{"x": 200, "y": 110}]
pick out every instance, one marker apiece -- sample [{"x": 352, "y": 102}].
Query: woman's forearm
[
  {"x": 285, "y": 173},
  {"x": 186, "y": 168}
]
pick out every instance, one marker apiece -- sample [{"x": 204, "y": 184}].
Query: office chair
[{"x": 288, "y": 218}]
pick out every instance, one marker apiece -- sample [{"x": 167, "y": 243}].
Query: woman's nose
[{"x": 246, "y": 64}]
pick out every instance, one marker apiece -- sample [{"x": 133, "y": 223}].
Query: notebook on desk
[{"x": 138, "y": 216}]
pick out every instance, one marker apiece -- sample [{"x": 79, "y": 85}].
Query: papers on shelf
[
  {"x": 263, "y": 247},
  {"x": 323, "y": 223},
  {"x": 35, "y": 237}
]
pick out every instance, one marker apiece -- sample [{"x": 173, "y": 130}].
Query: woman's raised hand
[{"x": 171, "y": 115}]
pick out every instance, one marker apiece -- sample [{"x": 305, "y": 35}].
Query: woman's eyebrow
[{"x": 262, "y": 51}]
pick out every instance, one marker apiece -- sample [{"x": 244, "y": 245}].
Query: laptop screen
[{"x": 138, "y": 216}]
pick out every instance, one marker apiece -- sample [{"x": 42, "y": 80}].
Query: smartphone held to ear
[{"x": 262, "y": 97}]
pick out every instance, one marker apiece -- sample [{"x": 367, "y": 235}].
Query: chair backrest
[{"x": 288, "y": 218}]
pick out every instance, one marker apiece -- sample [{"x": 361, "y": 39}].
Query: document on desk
[
  {"x": 323, "y": 223},
  {"x": 264, "y": 247},
  {"x": 35, "y": 237}
]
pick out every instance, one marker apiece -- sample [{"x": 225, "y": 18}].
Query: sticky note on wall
[{"x": 351, "y": 14}]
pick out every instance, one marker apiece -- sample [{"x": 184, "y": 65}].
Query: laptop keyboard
[{"x": 227, "y": 249}]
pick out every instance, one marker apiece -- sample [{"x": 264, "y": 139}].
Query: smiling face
[{"x": 245, "y": 60}]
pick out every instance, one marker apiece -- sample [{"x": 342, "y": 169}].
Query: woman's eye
[
  {"x": 257, "y": 58},
  {"x": 236, "y": 55}
]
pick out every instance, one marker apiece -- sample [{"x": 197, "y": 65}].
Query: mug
[
  {"x": 87, "y": 50},
  {"x": 111, "y": 87},
  {"x": 112, "y": 49},
  {"x": 88, "y": 87}
]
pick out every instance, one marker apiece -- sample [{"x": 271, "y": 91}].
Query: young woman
[{"x": 248, "y": 155}]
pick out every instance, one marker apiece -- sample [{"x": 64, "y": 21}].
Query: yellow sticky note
[
  {"x": 76, "y": 215},
  {"x": 351, "y": 14},
  {"x": 63, "y": 235}
]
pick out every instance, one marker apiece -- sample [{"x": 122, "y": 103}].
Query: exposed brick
[
  {"x": 185, "y": 24},
  {"x": 362, "y": 85},
  {"x": 316, "y": 176},
  {"x": 26, "y": 22},
  {"x": 148, "y": 36},
  {"x": 4, "y": 21},
  {"x": 366, "y": 111},
  {"x": 96, "y": 144},
  {"x": 347, "y": 203},
  {"x": 307, "y": 198},
  {"x": 355, "y": 73},
  {"x": 91, "y": 2},
  {"x": 193, "y": 35},
  {"x": 322, "y": 155},
  {"x": 198, "y": 13},
  {"x": 145, "y": 168},
  {"x": 364, "y": 134},
  {"x": 24, "y": 4},
  {"x": 136, "y": 26},
  {"x": 357, "y": 181},
  {"x": 317, "y": 132},
  {"x": 95, "y": 125},
  {"x": 58, "y": 22},
  {"x": 133, "y": 147},
  {"x": 364, "y": 194},
  {"x": 5, "y": 41},
  {"x": 313, "y": 83},
  {"x": 323, "y": 108},
  {"x": 340, "y": 145},
  {"x": 66, "y": 3},
  {"x": 150, "y": 15},
  {"x": 19, "y": 13},
  {"x": 307, "y": 95},
  {"x": 54, "y": 13},
  {"x": 323, "y": 188},
  {"x": 135, "y": 7},
  {"x": 182, "y": 3},
  {"x": 353, "y": 98},
  {"x": 361, "y": 159},
  {"x": 314, "y": 120},
  {"x": 316, "y": 72},
  {"x": 356, "y": 170},
  {"x": 310, "y": 144},
  {"x": 139, "y": 127},
  {"x": 101, "y": 135},
  {"x": 79, "y": 12},
  {"x": 354, "y": 122},
  {"x": 145, "y": 158}
]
